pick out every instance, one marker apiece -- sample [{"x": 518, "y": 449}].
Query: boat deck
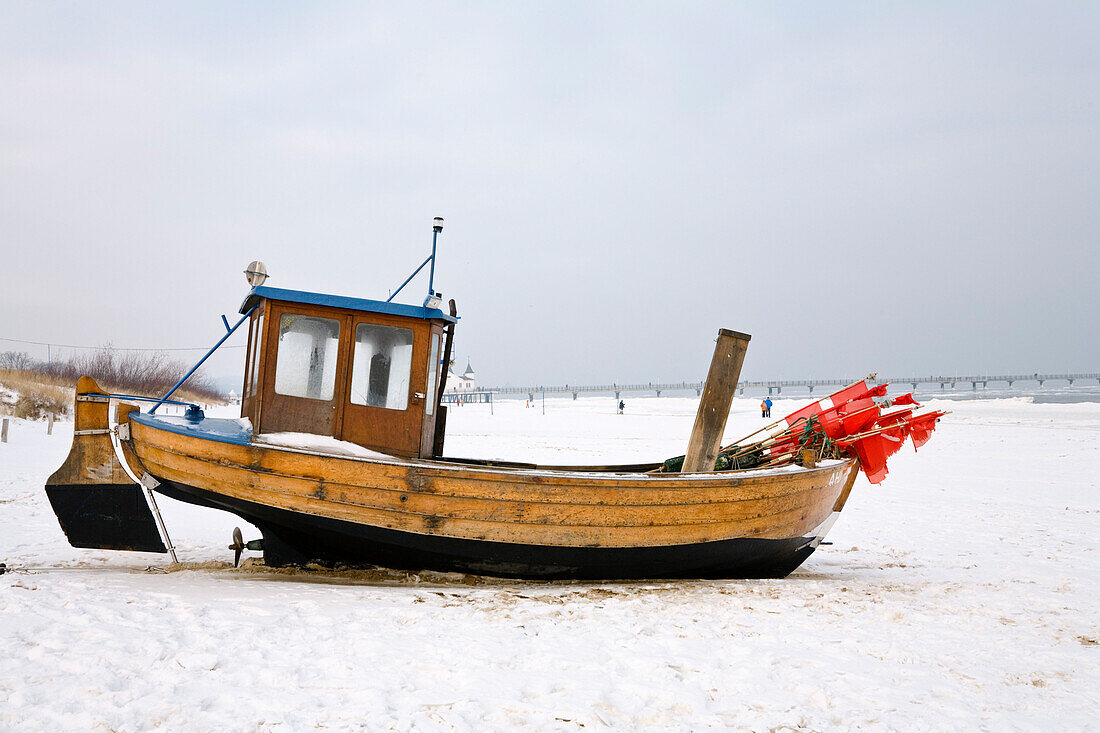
[{"x": 240, "y": 432}]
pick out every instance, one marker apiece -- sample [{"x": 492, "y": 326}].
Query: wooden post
[
  {"x": 4, "y": 432},
  {"x": 714, "y": 405},
  {"x": 49, "y": 424},
  {"x": 809, "y": 458}
]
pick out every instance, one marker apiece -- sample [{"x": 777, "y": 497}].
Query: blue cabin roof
[{"x": 343, "y": 302}]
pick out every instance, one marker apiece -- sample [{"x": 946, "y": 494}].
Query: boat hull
[
  {"x": 539, "y": 523},
  {"x": 293, "y": 538}
]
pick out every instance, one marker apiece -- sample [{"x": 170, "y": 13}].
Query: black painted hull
[
  {"x": 295, "y": 538},
  {"x": 105, "y": 517}
]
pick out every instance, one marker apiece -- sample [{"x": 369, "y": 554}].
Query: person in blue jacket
[{"x": 767, "y": 407}]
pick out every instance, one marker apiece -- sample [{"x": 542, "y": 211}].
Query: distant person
[
  {"x": 622, "y": 407},
  {"x": 763, "y": 408},
  {"x": 767, "y": 407}
]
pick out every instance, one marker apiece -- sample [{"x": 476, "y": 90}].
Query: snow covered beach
[{"x": 960, "y": 593}]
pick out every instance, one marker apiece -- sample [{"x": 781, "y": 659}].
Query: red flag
[
  {"x": 879, "y": 391},
  {"x": 895, "y": 439},
  {"x": 855, "y": 416},
  {"x": 837, "y": 413},
  {"x": 872, "y": 454},
  {"x": 824, "y": 409},
  {"x": 905, "y": 399},
  {"x": 857, "y": 390},
  {"x": 842, "y": 413},
  {"x": 893, "y": 418},
  {"x": 896, "y": 426},
  {"x": 921, "y": 427},
  {"x": 859, "y": 412}
]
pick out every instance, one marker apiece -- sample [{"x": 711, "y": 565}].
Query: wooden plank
[
  {"x": 533, "y": 508},
  {"x": 714, "y": 404},
  {"x": 92, "y": 458},
  {"x": 510, "y": 509},
  {"x": 843, "y": 498},
  {"x": 595, "y": 489},
  {"x": 781, "y": 525}
]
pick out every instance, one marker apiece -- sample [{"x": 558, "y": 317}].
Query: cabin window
[
  {"x": 433, "y": 370},
  {"x": 306, "y": 363},
  {"x": 381, "y": 366}
]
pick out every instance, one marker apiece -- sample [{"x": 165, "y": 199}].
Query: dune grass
[
  {"x": 37, "y": 389},
  {"x": 23, "y": 396}
]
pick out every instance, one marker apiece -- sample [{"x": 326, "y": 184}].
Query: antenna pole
[
  {"x": 437, "y": 227},
  {"x": 431, "y": 272}
]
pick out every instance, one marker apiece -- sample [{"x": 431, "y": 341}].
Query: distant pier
[
  {"x": 466, "y": 397},
  {"x": 776, "y": 386}
]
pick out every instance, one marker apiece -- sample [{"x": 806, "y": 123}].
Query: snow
[
  {"x": 958, "y": 594},
  {"x": 318, "y": 444}
]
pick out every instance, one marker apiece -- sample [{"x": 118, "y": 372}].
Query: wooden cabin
[{"x": 364, "y": 371}]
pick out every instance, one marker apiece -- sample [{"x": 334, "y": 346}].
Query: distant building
[
  {"x": 234, "y": 398},
  {"x": 464, "y": 382}
]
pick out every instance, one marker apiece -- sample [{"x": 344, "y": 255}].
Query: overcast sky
[{"x": 902, "y": 188}]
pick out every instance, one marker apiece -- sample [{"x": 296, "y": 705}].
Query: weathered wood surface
[
  {"x": 843, "y": 498},
  {"x": 407, "y": 432},
  {"x": 92, "y": 458},
  {"x": 715, "y": 402},
  {"x": 428, "y": 428},
  {"x": 280, "y": 412},
  {"x": 392, "y": 431},
  {"x": 526, "y": 507},
  {"x": 95, "y": 501}
]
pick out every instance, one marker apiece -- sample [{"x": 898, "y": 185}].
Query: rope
[{"x": 111, "y": 348}]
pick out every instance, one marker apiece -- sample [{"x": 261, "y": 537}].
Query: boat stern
[{"x": 96, "y": 502}]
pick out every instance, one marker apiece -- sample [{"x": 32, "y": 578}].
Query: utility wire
[{"x": 112, "y": 348}]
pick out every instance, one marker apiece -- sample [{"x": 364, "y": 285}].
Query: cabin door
[
  {"x": 303, "y": 393},
  {"x": 431, "y": 406},
  {"x": 386, "y": 389}
]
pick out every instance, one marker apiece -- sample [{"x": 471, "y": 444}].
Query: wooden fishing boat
[
  {"x": 338, "y": 459},
  {"x": 537, "y": 521}
]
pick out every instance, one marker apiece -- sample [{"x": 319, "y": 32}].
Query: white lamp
[{"x": 255, "y": 273}]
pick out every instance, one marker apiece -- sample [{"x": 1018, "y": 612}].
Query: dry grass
[
  {"x": 38, "y": 389},
  {"x": 23, "y": 396},
  {"x": 149, "y": 374}
]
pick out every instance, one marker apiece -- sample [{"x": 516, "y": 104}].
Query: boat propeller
[{"x": 239, "y": 546}]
